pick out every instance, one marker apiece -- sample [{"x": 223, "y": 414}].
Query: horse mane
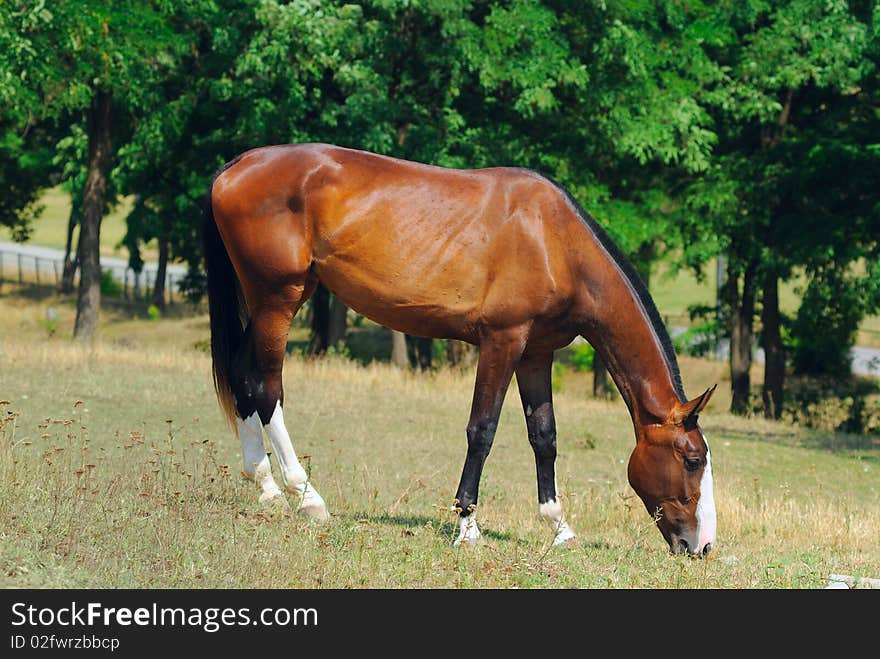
[{"x": 638, "y": 286}]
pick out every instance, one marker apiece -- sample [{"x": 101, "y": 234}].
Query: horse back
[{"x": 427, "y": 250}]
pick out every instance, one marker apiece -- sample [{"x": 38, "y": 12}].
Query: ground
[{"x": 118, "y": 470}]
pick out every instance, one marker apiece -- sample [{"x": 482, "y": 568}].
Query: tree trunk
[
  {"x": 421, "y": 356},
  {"x": 398, "y": 349},
  {"x": 337, "y": 323},
  {"x": 159, "y": 286},
  {"x": 459, "y": 353},
  {"x": 71, "y": 262},
  {"x": 320, "y": 321},
  {"x": 742, "y": 311},
  {"x": 600, "y": 378},
  {"x": 89, "y": 297},
  {"x": 774, "y": 351}
]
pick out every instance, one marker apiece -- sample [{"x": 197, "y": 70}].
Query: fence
[{"x": 44, "y": 269}]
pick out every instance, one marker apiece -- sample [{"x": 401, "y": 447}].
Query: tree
[
  {"x": 791, "y": 72},
  {"x": 25, "y": 143},
  {"x": 558, "y": 87},
  {"x": 105, "y": 60},
  {"x": 180, "y": 141},
  {"x": 328, "y": 321},
  {"x": 25, "y": 170}
]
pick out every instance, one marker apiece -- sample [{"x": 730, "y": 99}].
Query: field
[{"x": 117, "y": 470}]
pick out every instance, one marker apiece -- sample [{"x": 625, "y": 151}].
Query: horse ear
[{"x": 683, "y": 411}]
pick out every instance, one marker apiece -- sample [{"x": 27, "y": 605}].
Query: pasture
[{"x": 117, "y": 470}]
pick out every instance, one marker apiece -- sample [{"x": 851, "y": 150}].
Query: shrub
[
  {"x": 825, "y": 327},
  {"x": 835, "y": 404},
  {"x": 704, "y": 335},
  {"x": 581, "y": 358},
  {"x": 109, "y": 286}
]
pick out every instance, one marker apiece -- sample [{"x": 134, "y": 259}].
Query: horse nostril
[
  {"x": 683, "y": 547},
  {"x": 707, "y": 548}
]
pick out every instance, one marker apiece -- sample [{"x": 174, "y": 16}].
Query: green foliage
[
  {"x": 794, "y": 108},
  {"x": 109, "y": 285},
  {"x": 824, "y": 330},
  {"x": 154, "y": 312},
  {"x": 24, "y": 172},
  {"x": 557, "y": 377},
  {"x": 50, "y": 321},
  {"x": 703, "y": 335},
  {"x": 581, "y": 357}
]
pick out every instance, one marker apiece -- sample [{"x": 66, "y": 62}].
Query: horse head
[{"x": 671, "y": 471}]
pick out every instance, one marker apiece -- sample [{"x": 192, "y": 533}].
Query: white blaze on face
[{"x": 706, "y": 506}]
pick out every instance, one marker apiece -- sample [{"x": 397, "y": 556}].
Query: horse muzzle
[{"x": 686, "y": 543}]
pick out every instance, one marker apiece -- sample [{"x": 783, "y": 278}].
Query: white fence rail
[{"x": 45, "y": 267}]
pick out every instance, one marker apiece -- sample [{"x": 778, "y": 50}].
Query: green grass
[{"x": 117, "y": 470}]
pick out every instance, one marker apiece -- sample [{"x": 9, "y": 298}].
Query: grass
[{"x": 117, "y": 470}]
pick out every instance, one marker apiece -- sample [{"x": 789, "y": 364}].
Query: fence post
[
  {"x": 19, "y": 268},
  {"x": 55, "y": 268},
  {"x": 37, "y": 268}
]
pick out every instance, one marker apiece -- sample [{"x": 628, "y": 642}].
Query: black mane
[{"x": 638, "y": 285}]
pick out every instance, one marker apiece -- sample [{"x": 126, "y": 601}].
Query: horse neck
[{"x": 616, "y": 321}]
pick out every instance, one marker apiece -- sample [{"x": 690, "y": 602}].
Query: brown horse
[{"x": 501, "y": 258}]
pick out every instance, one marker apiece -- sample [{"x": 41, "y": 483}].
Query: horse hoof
[
  {"x": 565, "y": 540},
  {"x": 317, "y": 512},
  {"x": 468, "y": 542},
  {"x": 564, "y": 535},
  {"x": 274, "y": 499},
  {"x": 469, "y": 533}
]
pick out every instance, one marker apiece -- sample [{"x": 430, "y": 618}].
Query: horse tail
[{"x": 226, "y": 309}]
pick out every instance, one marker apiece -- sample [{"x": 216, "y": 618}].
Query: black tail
[{"x": 226, "y": 307}]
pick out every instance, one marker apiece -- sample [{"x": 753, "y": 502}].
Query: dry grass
[{"x": 117, "y": 470}]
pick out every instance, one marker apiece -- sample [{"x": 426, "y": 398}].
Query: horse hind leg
[
  {"x": 258, "y": 391},
  {"x": 255, "y": 461},
  {"x": 533, "y": 378}
]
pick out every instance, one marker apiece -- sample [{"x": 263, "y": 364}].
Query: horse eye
[{"x": 692, "y": 464}]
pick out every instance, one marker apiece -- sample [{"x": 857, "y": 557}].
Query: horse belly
[{"x": 414, "y": 296}]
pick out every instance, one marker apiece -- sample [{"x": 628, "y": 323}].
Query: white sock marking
[
  {"x": 253, "y": 456},
  {"x": 293, "y": 475},
  {"x": 468, "y": 531},
  {"x": 551, "y": 512}
]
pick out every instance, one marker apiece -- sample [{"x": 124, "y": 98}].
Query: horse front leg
[
  {"x": 255, "y": 461},
  {"x": 533, "y": 378},
  {"x": 499, "y": 353}
]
